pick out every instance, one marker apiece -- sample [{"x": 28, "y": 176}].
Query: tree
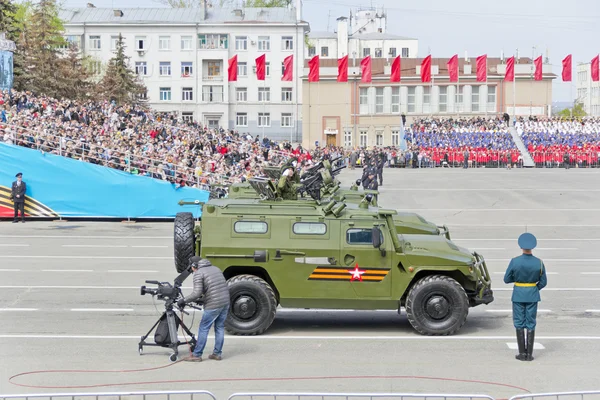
[
  {"x": 75, "y": 71},
  {"x": 120, "y": 83},
  {"x": 10, "y": 13},
  {"x": 576, "y": 111}
]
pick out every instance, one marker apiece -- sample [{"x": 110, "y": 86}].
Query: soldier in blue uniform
[{"x": 528, "y": 273}]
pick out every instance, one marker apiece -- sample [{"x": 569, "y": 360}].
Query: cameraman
[{"x": 210, "y": 283}]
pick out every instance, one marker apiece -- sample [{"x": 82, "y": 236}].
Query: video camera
[{"x": 164, "y": 291}]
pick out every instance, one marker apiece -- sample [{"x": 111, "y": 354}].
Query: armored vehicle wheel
[
  {"x": 184, "y": 240},
  {"x": 253, "y": 305},
  {"x": 437, "y": 305}
]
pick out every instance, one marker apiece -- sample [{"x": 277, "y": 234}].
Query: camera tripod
[{"x": 172, "y": 321}]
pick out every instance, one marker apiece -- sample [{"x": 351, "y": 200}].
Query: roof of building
[
  {"x": 380, "y": 36},
  {"x": 177, "y": 15},
  {"x": 322, "y": 35}
]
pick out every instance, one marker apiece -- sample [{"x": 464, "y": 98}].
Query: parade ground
[{"x": 70, "y": 300}]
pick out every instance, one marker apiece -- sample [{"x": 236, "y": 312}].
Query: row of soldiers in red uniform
[{"x": 585, "y": 156}]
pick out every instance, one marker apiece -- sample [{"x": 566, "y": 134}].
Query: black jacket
[{"x": 18, "y": 191}]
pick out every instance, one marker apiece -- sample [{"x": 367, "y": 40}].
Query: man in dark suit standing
[{"x": 18, "y": 197}]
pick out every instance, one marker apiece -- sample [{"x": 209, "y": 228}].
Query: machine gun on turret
[{"x": 317, "y": 181}]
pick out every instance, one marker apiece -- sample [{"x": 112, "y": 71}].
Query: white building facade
[
  {"x": 182, "y": 56},
  {"x": 364, "y": 35},
  {"x": 588, "y": 91}
]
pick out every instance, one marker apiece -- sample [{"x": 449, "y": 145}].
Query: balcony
[{"x": 213, "y": 42}]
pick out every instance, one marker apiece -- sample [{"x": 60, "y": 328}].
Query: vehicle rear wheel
[
  {"x": 253, "y": 305},
  {"x": 437, "y": 305},
  {"x": 184, "y": 240}
]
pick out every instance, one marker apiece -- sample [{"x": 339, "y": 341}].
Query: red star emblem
[{"x": 356, "y": 273}]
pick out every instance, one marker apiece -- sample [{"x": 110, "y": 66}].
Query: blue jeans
[{"x": 216, "y": 316}]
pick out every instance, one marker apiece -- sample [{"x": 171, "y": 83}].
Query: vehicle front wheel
[
  {"x": 253, "y": 305},
  {"x": 437, "y": 305}
]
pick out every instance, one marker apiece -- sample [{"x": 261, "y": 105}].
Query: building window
[
  {"x": 405, "y": 52},
  {"x": 212, "y": 41},
  {"x": 264, "y": 94},
  {"x": 392, "y": 52},
  {"x": 286, "y": 120},
  {"x": 364, "y": 101},
  {"x": 143, "y": 95},
  {"x": 165, "y": 94},
  {"x": 73, "y": 40},
  {"x": 241, "y": 94},
  {"x": 366, "y": 52},
  {"x": 95, "y": 43},
  {"x": 141, "y": 68},
  {"x": 309, "y": 228},
  {"x": 213, "y": 69},
  {"x": 212, "y": 94},
  {"x": 164, "y": 68},
  {"x": 187, "y": 94},
  {"x": 312, "y": 51},
  {"x": 459, "y": 97},
  {"x": 267, "y": 69},
  {"x": 395, "y": 138},
  {"x": 287, "y": 43},
  {"x": 286, "y": 95},
  {"x": 242, "y": 69},
  {"x": 378, "y": 53},
  {"x": 140, "y": 42},
  {"x": 264, "y": 119},
  {"x": 113, "y": 43},
  {"x": 241, "y": 42},
  {"x": 164, "y": 42},
  {"x": 95, "y": 67},
  {"x": 363, "y": 138},
  {"x": 187, "y": 69},
  {"x": 411, "y": 99},
  {"x": 264, "y": 43},
  {"x": 491, "y": 98},
  {"x": 379, "y": 100},
  {"x": 186, "y": 43},
  {"x": 443, "y": 98},
  {"x": 475, "y": 98},
  {"x": 379, "y": 138},
  {"x": 347, "y": 139},
  {"x": 324, "y": 51},
  {"x": 187, "y": 116},
  {"x": 395, "y": 99},
  {"x": 241, "y": 119},
  {"x": 426, "y": 95}
]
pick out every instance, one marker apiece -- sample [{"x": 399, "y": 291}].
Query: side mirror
[{"x": 376, "y": 237}]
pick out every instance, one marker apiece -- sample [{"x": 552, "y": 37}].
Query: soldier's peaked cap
[
  {"x": 527, "y": 241},
  {"x": 18, "y": 175}
]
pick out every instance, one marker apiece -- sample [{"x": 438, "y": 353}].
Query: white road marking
[
  {"x": 13, "y": 245},
  {"x": 551, "y": 289},
  {"x": 18, "y": 309},
  {"x": 553, "y": 259},
  {"x": 85, "y": 237},
  {"x": 510, "y": 311},
  {"x": 592, "y": 311},
  {"x": 95, "y": 246},
  {"x": 546, "y": 289},
  {"x": 536, "y": 346},
  {"x": 500, "y": 209},
  {"x": 387, "y": 189},
  {"x": 308, "y": 337},
  {"x": 515, "y": 240},
  {"x": 491, "y": 248},
  {"x": 67, "y": 270},
  {"x": 547, "y": 273},
  {"x": 101, "y": 309},
  {"x": 132, "y": 271},
  {"x": 590, "y": 273},
  {"x": 556, "y": 248},
  {"x": 92, "y": 257},
  {"x": 522, "y": 225},
  {"x": 9, "y": 270},
  {"x": 149, "y": 247}
]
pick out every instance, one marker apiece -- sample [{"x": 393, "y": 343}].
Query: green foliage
[
  {"x": 120, "y": 83},
  {"x": 576, "y": 111}
]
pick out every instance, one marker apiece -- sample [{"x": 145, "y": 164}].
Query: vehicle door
[{"x": 368, "y": 268}]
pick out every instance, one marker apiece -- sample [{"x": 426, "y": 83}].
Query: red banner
[
  {"x": 232, "y": 69},
  {"x": 365, "y": 69},
  {"x": 567, "y": 68},
  {"x": 509, "y": 76},
  {"x": 288, "y": 69},
  {"x": 313, "y": 65},
  {"x": 482, "y": 68},
  {"x": 453, "y": 68},
  {"x": 426, "y": 69},
  {"x": 596, "y": 69},
  {"x": 537, "y": 75},
  {"x": 395, "y": 73},
  {"x": 343, "y": 69},
  {"x": 261, "y": 63}
]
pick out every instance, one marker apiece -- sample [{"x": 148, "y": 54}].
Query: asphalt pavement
[{"x": 70, "y": 300}]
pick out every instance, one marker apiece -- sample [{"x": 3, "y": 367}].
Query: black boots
[
  {"x": 521, "y": 343},
  {"x": 530, "y": 342}
]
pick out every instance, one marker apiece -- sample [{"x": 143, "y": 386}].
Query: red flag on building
[
  {"x": 288, "y": 68},
  {"x": 395, "y": 73},
  {"x": 566, "y": 71},
  {"x": 482, "y": 68},
  {"x": 343, "y": 69},
  {"x": 453, "y": 68},
  {"x": 537, "y": 75},
  {"x": 596, "y": 69},
  {"x": 365, "y": 69},
  {"x": 426, "y": 69},
  {"x": 510, "y": 69},
  {"x": 313, "y": 73},
  {"x": 261, "y": 63},
  {"x": 232, "y": 69}
]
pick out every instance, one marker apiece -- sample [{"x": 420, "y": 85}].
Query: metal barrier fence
[
  {"x": 356, "y": 396},
  {"x": 455, "y": 159},
  {"x": 561, "y": 159},
  {"x": 153, "y": 395},
  {"x": 584, "y": 395}
]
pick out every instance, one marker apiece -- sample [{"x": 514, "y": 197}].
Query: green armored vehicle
[{"x": 330, "y": 256}]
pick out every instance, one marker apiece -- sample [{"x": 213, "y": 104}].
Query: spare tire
[{"x": 184, "y": 240}]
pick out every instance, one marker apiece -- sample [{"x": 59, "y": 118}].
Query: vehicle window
[
  {"x": 309, "y": 228},
  {"x": 359, "y": 236},
  {"x": 250, "y": 227}
]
